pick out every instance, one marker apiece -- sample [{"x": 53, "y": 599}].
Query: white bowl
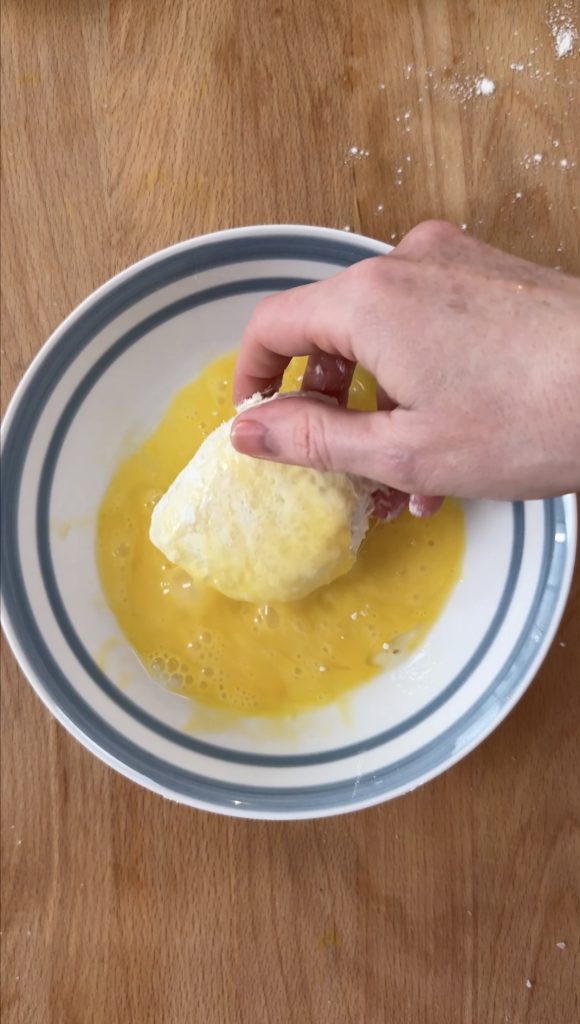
[{"x": 105, "y": 376}]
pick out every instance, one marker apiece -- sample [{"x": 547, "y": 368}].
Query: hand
[{"x": 477, "y": 358}]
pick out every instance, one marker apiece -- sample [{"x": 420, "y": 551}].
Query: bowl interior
[{"x": 98, "y": 388}]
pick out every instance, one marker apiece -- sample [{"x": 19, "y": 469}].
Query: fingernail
[
  {"x": 424, "y": 507},
  {"x": 416, "y": 506},
  {"x": 251, "y": 438}
]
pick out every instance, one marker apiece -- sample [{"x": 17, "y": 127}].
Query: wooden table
[{"x": 128, "y": 125}]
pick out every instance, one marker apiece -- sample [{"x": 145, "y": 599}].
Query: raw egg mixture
[{"x": 269, "y": 659}]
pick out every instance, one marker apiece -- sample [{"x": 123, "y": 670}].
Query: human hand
[{"x": 477, "y": 358}]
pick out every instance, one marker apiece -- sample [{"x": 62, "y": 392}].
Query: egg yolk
[{"x": 270, "y": 659}]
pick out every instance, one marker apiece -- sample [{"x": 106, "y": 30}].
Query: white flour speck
[
  {"x": 564, "y": 42},
  {"x": 356, "y": 153},
  {"x": 532, "y": 160},
  {"x": 563, "y": 28},
  {"x": 561, "y": 945},
  {"x": 484, "y": 87},
  {"x": 516, "y": 67},
  {"x": 529, "y": 984}
]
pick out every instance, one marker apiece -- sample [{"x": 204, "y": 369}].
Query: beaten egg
[{"x": 270, "y": 659}]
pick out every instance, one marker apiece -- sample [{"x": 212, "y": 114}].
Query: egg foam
[{"x": 273, "y": 659}]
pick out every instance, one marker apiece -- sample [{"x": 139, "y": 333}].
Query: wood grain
[{"x": 128, "y": 125}]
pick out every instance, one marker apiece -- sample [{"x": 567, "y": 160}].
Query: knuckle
[
  {"x": 261, "y": 314},
  {"x": 406, "y": 462},
  {"x": 310, "y": 442},
  {"x": 356, "y": 281},
  {"x": 367, "y": 272},
  {"x": 431, "y": 233}
]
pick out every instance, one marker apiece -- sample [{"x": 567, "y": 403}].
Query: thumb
[{"x": 307, "y": 432}]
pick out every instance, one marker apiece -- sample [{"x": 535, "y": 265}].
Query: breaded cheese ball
[{"x": 256, "y": 530}]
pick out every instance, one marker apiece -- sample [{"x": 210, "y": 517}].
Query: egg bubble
[
  {"x": 158, "y": 667},
  {"x": 122, "y": 550}
]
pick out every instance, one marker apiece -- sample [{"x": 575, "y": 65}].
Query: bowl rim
[{"x": 219, "y": 237}]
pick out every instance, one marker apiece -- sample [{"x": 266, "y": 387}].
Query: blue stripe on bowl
[
  {"x": 328, "y": 797},
  {"x": 120, "y": 297},
  {"x": 107, "y": 685}
]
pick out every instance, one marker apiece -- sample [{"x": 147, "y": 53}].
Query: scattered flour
[
  {"x": 464, "y": 87},
  {"x": 532, "y": 160},
  {"x": 356, "y": 153},
  {"x": 563, "y": 28},
  {"x": 562, "y": 21}
]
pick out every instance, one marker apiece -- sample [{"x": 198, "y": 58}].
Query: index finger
[{"x": 299, "y": 322}]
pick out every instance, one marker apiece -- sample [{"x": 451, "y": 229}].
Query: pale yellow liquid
[{"x": 268, "y": 660}]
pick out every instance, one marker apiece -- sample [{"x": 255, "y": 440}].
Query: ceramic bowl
[{"x": 105, "y": 376}]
